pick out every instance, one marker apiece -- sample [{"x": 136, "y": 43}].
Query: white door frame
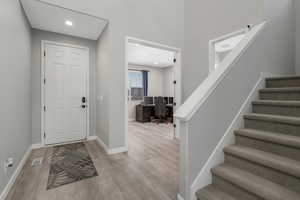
[
  {"x": 177, "y": 76},
  {"x": 43, "y": 44}
]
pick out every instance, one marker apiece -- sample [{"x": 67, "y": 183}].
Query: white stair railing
[{"x": 197, "y": 99}]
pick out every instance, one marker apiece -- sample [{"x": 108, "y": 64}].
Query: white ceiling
[
  {"x": 143, "y": 55},
  {"x": 45, "y": 16}
]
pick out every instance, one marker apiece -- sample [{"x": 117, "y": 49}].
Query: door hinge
[
  {"x": 44, "y": 108},
  {"x": 44, "y": 80},
  {"x": 44, "y": 53},
  {"x": 174, "y": 125},
  {"x": 44, "y": 134},
  {"x": 174, "y": 82},
  {"x": 174, "y": 60}
]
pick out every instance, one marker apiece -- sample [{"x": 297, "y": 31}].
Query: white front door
[{"x": 65, "y": 93}]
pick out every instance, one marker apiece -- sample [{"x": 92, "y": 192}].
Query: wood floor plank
[{"x": 148, "y": 171}]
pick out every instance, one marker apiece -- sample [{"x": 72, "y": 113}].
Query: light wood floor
[
  {"x": 149, "y": 171},
  {"x": 162, "y": 129}
]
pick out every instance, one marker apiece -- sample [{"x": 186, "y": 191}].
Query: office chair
[{"x": 160, "y": 110}]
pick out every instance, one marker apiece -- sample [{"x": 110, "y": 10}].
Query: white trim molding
[
  {"x": 40, "y": 145},
  {"x": 204, "y": 178},
  {"x": 42, "y": 78},
  {"x": 117, "y": 150},
  {"x": 179, "y": 197},
  {"x": 102, "y": 144},
  {"x": 200, "y": 95},
  {"x": 178, "y": 89},
  {"x": 37, "y": 146},
  {"x": 15, "y": 175},
  {"x": 213, "y": 42},
  {"x": 110, "y": 151},
  {"x": 21, "y": 164}
]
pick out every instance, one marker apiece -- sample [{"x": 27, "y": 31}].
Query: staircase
[{"x": 264, "y": 163}]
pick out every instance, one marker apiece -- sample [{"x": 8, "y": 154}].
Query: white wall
[
  {"x": 15, "y": 120},
  {"x": 37, "y": 37},
  {"x": 155, "y": 79},
  {"x": 158, "y": 84}
]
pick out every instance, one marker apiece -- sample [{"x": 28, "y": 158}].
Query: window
[{"x": 138, "y": 83}]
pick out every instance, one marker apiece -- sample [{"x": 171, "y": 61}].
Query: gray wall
[
  {"x": 15, "y": 121},
  {"x": 271, "y": 52},
  {"x": 37, "y": 37},
  {"x": 102, "y": 84},
  {"x": 206, "y": 20},
  {"x": 155, "y": 20},
  {"x": 203, "y": 21},
  {"x": 136, "y": 19},
  {"x": 131, "y": 18},
  {"x": 297, "y": 35},
  {"x": 280, "y": 43}
]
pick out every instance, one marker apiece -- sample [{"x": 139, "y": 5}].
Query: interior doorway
[
  {"x": 65, "y": 93},
  {"x": 152, "y": 75}
]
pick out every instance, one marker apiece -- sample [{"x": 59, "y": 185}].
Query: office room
[{"x": 151, "y": 95}]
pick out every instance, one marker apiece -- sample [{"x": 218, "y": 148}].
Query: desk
[{"x": 144, "y": 113}]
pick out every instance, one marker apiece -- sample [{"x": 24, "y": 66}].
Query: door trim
[
  {"x": 178, "y": 72},
  {"x": 43, "y": 44}
]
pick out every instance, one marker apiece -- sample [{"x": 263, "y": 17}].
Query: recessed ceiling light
[
  {"x": 69, "y": 23},
  {"x": 156, "y": 63},
  {"x": 137, "y": 44}
]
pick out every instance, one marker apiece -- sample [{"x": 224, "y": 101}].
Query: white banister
[{"x": 199, "y": 96}]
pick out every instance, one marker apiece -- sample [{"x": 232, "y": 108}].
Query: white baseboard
[
  {"x": 111, "y": 151},
  {"x": 102, "y": 144},
  {"x": 36, "y": 146},
  {"x": 39, "y": 145},
  {"x": 16, "y": 173},
  {"x": 93, "y": 137},
  {"x": 179, "y": 197},
  {"x": 204, "y": 178},
  {"x": 117, "y": 150}
]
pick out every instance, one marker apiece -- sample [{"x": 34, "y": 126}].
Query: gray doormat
[{"x": 70, "y": 163}]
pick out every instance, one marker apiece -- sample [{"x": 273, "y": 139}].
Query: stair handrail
[{"x": 194, "y": 102}]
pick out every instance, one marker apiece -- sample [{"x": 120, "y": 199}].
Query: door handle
[{"x": 83, "y": 100}]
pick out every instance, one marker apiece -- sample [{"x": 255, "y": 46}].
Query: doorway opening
[
  {"x": 152, "y": 96},
  {"x": 153, "y": 88}
]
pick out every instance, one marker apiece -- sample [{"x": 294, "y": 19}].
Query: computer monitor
[
  {"x": 155, "y": 100},
  {"x": 166, "y": 100},
  {"x": 171, "y": 100},
  {"x": 148, "y": 100}
]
